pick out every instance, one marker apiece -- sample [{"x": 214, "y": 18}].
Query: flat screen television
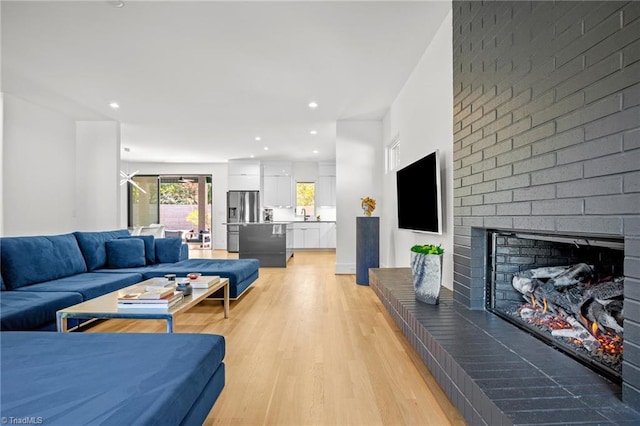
[{"x": 419, "y": 195}]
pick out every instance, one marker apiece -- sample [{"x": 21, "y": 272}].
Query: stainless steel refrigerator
[{"x": 242, "y": 207}]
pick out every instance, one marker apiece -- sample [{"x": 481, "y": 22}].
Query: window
[
  {"x": 305, "y": 199},
  {"x": 393, "y": 155},
  {"x": 178, "y": 202}
]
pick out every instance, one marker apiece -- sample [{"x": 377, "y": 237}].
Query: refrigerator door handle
[{"x": 242, "y": 201}]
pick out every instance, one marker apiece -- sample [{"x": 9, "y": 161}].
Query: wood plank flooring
[{"x": 308, "y": 347}]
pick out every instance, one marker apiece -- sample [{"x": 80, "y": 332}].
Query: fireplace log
[
  {"x": 572, "y": 290},
  {"x": 575, "y": 274},
  {"x": 597, "y": 312},
  {"x": 607, "y": 289},
  {"x": 578, "y": 331},
  {"x": 570, "y": 300}
]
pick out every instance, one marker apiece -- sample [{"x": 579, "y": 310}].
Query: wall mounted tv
[{"x": 419, "y": 195}]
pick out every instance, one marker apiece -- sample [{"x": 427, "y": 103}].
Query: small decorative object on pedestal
[
  {"x": 426, "y": 267},
  {"x": 368, "y": 205}
]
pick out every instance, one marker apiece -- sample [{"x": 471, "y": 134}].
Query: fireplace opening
[{"x": 566, "y": 290}]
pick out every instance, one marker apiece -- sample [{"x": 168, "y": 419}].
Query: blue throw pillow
[
  {"x": 125, "y": 253},
  {"x": 93, "y": 247},
  {"x": 149, "y": 247},
  {"x": 168, "y": 250}
]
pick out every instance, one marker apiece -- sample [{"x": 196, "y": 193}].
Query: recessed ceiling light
[
  {"x": 251, "y": 156},
  {"x": 266, "y": 148},
  {"x": 258, "y": 138},
  {"x": 117, "y": 4},
  {"x": 315, "y": 151},
  {"x": 314, "y": 132},
  {"x": 114, "y": 105},
  {"x": 313, "y": 105}
]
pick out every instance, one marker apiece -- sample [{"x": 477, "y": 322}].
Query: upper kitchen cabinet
[
  {"x": 277, "y": 191},
  {"x": 244, "y": 175},
  {"x": 326, "y": 188},
  {"x": 277, "y": 184}
]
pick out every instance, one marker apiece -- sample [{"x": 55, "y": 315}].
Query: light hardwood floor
[{"x": 308, "y": 347}]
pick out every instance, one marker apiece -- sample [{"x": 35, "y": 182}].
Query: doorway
[{"x": 181, "y": 204}]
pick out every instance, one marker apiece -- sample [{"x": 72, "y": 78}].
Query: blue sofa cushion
[
  {"x": 131, "y": 379},
  {"x": 27, "y": 310},
  {"x": 168, "y": 250},
  {"x": 237, "y": 270},
  {"x": 93, "y": 248},
  {"x": 29, "y": 260},
  {"x": 149, "y": 247},
  {"x": 89, "y": 284},
  {"x": 127, "y": 253}
]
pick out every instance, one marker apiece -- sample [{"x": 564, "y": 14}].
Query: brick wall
[{"x": 547, "y": 135}]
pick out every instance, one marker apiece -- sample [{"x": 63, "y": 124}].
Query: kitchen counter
[
  {"x": 269, "y": 242},
  {"x": 278, "y": 222},
  {"x": 254, "y": 223}
]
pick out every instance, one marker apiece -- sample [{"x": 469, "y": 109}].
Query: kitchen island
[{"x": 269, "y": 242}]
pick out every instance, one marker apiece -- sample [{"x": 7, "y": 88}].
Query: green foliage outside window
[{"x": 305, "y": 198}]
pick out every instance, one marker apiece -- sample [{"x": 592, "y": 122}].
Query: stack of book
[
  {"x": 150, "y": 298},
  {"x": 205, "y": 282}
]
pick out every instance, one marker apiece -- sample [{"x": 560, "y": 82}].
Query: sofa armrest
[{"x": 184, "y": 251}]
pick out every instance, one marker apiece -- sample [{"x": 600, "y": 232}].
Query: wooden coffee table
[{"x": 106, "y": 306}]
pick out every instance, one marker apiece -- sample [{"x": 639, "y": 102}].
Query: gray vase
[{"x": 427, "y": 276}]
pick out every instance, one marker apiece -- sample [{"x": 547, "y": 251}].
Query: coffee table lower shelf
[{"x": 106, "y": 306}]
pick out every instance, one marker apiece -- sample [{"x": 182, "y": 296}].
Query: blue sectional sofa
[
  {"x": 110, "y": 379},
  {"x": 41, "y": 274}
]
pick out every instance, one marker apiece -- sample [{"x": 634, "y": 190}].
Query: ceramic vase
[{"x": 427, "y": 277}]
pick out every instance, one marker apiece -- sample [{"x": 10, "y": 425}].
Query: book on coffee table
[
  {"x": 205, "y": 282},
  {"x": 135, "y": 299},
  {"x": 148, "y": 294},
  {"x": 160, "y": 307}
]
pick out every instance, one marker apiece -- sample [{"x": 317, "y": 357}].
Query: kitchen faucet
[{"x": 304, "y": 214}]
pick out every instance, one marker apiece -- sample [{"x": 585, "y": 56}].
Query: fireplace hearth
[{"x": 566, "y": 290}]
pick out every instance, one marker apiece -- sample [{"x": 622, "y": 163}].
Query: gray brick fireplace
[{"x": 547, "y": 137}]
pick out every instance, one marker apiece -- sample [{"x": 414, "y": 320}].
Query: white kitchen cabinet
[
  {"x": 326, "y": 191},
  {"x": 244, "y": 182},
  {"x": 277, "y": 191},
  {"x": 244, "y": 176},
  {"x": 306, "y": 235},
  {"x": 277, "y": 168},
  {"x": 327, "y": 235}
]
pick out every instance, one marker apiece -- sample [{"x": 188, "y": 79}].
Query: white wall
[
  {"x": 421, "y": 116},
  {"x": 58, "y": 175},
  {"x": 97, "y": 166},
  {"x": 359, "y": 168},
  {"x": 219, "y": 173},
  {"x": 39, "y": 170}
]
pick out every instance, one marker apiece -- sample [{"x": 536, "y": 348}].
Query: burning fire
[
  {"x": 609, "y": 343},
  {"x": 543, "y": 318}
]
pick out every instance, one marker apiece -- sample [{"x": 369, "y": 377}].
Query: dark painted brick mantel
[
  {"x": 547, "y": 136},
  {"x": 494, "y": 373}
]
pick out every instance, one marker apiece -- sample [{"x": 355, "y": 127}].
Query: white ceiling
[{"x": 198, "y": 81}]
